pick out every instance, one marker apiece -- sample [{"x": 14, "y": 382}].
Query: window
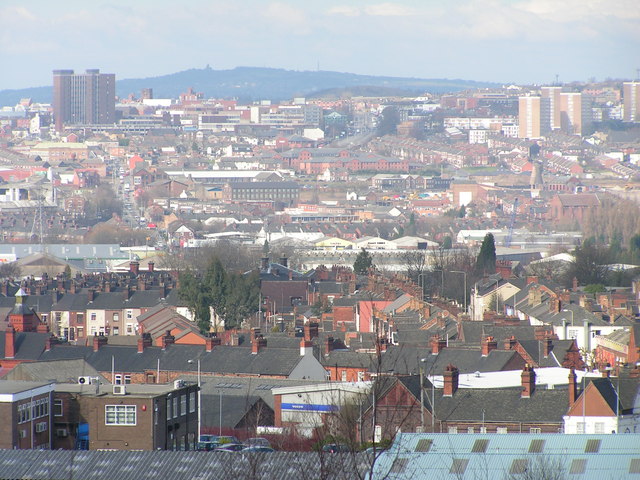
[
  {"x": 116, "y": 317},
  {"x": 593, "y": 446},
  {"x": 424, "y": 445},
  {"x": 127, "y": 379},
  {"x": 470, "y": 430},
  {"x": 459, "y": 466},
  {"x": 94, "y": 316},
  {"x": 399, "y": 465},
  {"x": 535, "y": 430},
  {"x": 183, "y": 405},
  {"x": 580, "y": 427},
  {"x": 483, "y": 429},
  {"x": 192, "y": 402},
  {"x": 599, "y": 427},
  {"x": 502, "y": 430},
  {"x": 536, "y": 446},
  {"x": 168, "y": 408},
  {"x": 129, "y": 314},
  {"x": 129, "y": 328},
  {"x": 118, "y": 379},
  {"x": 453, "y": 429},
  {"x": 343, "y": 375},
  {"x": 518, "y": 466},
  {"x": 480, "y": 446},
  {"x": 578, "y": 466},
  {"x": 175, "y": 407},
  {"x": 57, "y": 408},
  {"x": 120, "y": 414},
  {"x": 116, "y": 330},
  {"x": 80, "y": 318}
]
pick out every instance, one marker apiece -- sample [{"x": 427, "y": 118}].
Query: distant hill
[{"x": 253, "y": 83}]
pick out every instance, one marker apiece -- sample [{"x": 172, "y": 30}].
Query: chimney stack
[
  {"x": 284, "y": 261},
  {"x": 99, "y": 341},
  {"x": 451, "y": 375},
  {"x": 134, "y": 267},
  {"x": 310, "y": 330},
  {"x": 488, "y": 344},
  {"x": 547, "y": 346},
  {"x": 437, "y": 344},
  {"x": 91, "y": 295},
  {"x": 144, "y": 341},
  {"x": 573, "y": 387},
  {"x": 167, "y": 339},
  {"x": 328, "y": 345},
  {"x": 211, "y": 342},
  {"x": 10, "y": 342},
  {"x": 510, "y": 343},
  {"x": 306, "y": 347},
  {"x": 258, "y": 344},
  {"x": 528, "y": 381},
  {"x": 151, "y": 267},
  {"x": 126, "y": 292}
]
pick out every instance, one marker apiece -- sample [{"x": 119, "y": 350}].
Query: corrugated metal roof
[
  {"x": 152, "y": 465},
  {"x": 501, "y": 456}
]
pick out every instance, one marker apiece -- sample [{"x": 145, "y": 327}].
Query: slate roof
[
  {"x": 234, "y": 409},
  {"x": 223, "y": 359},
  {"x": 472, "y": 332},
  {"x": 403, "y": 360},
  {"x": 29, "y": 345},
  {"x": 59, "y": 371}
]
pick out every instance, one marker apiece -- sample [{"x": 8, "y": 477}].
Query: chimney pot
[{"x": 488, "y": 344}]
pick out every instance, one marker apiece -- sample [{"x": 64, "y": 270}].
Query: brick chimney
[
  {"x": 10, "y": 342},
  {"x": 258, "y": 344},
  {"x": 510, "y": 343},
  {"x": 211, "y": 342},
  {"x": 437, "y": 344},
  {"x": 51, "y": 340},
  {"x": 91, "y": 295},
  {"x": 451, "y": 375},
  {"x": 306, "y": 346},
  {"x": 284, "y": 261},
  {"x": 254, "y": 334},
  {"x": 528, "y": 381},
  {"x": 144, "y": 341},
  {"x": 310, "y": 330},
  {"x": 126, "y": 292},
  {"x": 134, "y": 267},
  {"x": 167, "y": 339},
  {"x": 99, "y": 341},
  {"x": 573, "y": 387},
  {"x": 328, "y": 345},
  {"x": 152, "y": 266},
  {"x": 547, "y": 346},
  {"x": 488, "y": 344}
]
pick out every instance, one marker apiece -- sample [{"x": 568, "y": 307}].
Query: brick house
[
  {"x": 25, "y": 409},
  {"x": 126, "y": 417}
]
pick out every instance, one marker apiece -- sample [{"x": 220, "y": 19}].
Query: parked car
[
  {"x": 230, "y": 447},
  {"x": 336, "y": 448},
  {"x": 258, "y": 448},
  {"x": 257, "y": 442}
]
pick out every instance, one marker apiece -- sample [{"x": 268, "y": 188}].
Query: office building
[
  {"x": 631, "y": 95},
  {"x": 83, "y": 98}
]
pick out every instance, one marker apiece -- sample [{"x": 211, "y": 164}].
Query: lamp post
[
  {"x": 569, "y": 311},
  {"x": 441, "y": 281},
  {"x": 497, "y": 297},
  {"x": 422, "y": 360},
  {"x": 465, "y": 287}
]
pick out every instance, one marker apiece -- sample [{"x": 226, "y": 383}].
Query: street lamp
[
  {"x": 465, "y": 287},
  {"x": 441, "y": 281},
  {"x": 571, "y": 312},
  {"x": 433, "y": 393}
]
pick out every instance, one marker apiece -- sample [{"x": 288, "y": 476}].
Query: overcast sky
[{"x": 521, "y": 41}]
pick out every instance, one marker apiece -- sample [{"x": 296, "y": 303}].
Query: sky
[{"x": 505, "y": 41}]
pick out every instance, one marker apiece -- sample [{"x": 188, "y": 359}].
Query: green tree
[
  {"x": 389, "y": 120},
  {"x": 363, "y": 262},
  {"x": 447, "y": 243},
  {"x": 486, "y": 261},
  {"x": 589, "y": 265}
]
